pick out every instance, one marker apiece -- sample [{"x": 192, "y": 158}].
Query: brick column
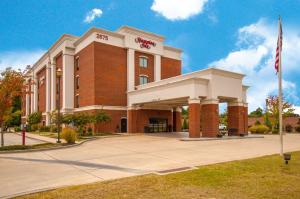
[
  {"x": 194, "y": 118},
  {"x": 246, "y": 118},
  {"x": 210, "y": 118},
  {"x": 236, "y": 117},
  {"x": 177, "y": 120},
  {"x": 131, "y": 120}
]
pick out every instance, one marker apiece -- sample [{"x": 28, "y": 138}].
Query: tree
[
  {"x": 224, "y": 118},
  {"x": 100, "y": 117},
  {"x": 11, "y": 86},
  {"x": 34, "y": 118},
  {"x": 273, "y": 111},
  {"x": 257, "y": 113}
]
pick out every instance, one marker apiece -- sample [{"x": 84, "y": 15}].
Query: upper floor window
[
  {"x": 77, "y": 63},
  {"x": 143, "y": 62},
  {"x": 77, "y": 82},
  {"x": 143, "y": 79}
]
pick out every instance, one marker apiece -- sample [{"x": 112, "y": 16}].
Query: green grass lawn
[
  {"x": 25, "y": 147},
  {"x": 266, "y": 177},
  {"x": 79, "y": 138}
]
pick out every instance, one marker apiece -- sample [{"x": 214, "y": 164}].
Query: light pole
[{"x": 58, "y": 75}]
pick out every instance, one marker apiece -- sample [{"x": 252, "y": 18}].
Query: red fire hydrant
[{"x": 23, "y": 136}]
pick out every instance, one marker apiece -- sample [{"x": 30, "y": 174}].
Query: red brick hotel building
[{"x": 136, "y": 79}]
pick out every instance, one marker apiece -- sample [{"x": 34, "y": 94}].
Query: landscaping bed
[{"x": 265, "y": 177}]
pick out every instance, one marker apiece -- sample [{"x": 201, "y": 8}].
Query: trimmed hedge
[{"x": 259, "y": 129}]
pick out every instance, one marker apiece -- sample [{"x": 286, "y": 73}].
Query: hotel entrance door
[{"x": 158, "y": 125}]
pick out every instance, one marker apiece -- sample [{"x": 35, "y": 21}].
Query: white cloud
[
  {"x": 186, "y": 63},
  {"x": 19, "y": 59},
  {"x": 178, "y": 9},
  {"x": 297, "y": 109},
  {"x": 254, "y": 57},
  {"x": 92, "y": 15}
]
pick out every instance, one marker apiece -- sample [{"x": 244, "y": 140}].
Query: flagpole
[{"x": 280, "y": 93}]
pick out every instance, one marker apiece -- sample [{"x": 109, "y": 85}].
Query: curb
[{"x": 224, "y": 138}]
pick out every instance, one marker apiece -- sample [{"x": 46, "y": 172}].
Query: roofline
[
  {"x": 150, "y": 34},
  {"x": 173, "y": 49},
  {"x": 226, "y": 71},
  {"x": 95, "y": 29},
  {"x": 240, "y": 75},
  {"x": 46, "y": 54}
]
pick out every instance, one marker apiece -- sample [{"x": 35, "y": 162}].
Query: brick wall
[
  {"x": 86, "y": 74},
  {"x": 138, "y": 119},
  {"x": 41, "y": 84},
  {"x": 149, "y": 71},
  {"x": 170, "y": 67},
  {"x": 110, "y": 75}
]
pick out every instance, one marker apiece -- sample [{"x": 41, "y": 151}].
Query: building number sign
[{"x": 101, "y": 36}]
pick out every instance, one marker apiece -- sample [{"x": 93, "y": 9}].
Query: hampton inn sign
[
  {"x": 144, "y": 43},
  {"x": 136, "y": 79}
]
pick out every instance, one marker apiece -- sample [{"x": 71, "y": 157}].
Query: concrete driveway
[{"x": 119, "y": 157}]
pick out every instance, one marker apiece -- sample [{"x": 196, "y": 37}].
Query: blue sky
[{"x": 234, "y": 35}]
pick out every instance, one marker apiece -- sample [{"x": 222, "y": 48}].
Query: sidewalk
[{"x": 41, "y": 138}]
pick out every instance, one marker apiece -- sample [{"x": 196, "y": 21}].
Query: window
[
  {"x": 77, "y": 82},
  {"x": 143, "y": 80},
  {"x": 143, "y": 61},
  {"x": 77, "y": 101},
  {"x": 77, "y": 63}
]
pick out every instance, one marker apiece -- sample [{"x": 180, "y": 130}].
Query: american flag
[{"x": 279, "y": 47}]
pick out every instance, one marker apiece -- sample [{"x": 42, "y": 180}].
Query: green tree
[
  {"x": 34, "y": 118},
  {"x": 273, "y": 111},
  {"x": 257, "y": 113},
  {"x": 224, "y": 118},
  {"x": 100, "y": 117},
  {"x": 185, "y": 124}
]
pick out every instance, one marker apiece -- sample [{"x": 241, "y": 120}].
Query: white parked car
[{"x": 222, "y": 127}]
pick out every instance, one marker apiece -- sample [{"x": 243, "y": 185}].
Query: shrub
[
  {"x": 288, "y": 128},
  {"x": 185, "y": 124},
  {"x": 259, "y": 129},
  {"x": 257, "y": 122},
  {"x": 262, "y": 129},
  {"x": 17, "y": 129},
  {"x": 90, "y": 131},
  {"x": 69, "y": 135},
  {"x": 44, "y": 128},
  {"x": 297, "y": 129},
  {"x": 53, "y": 129},
  {"x": 34, "y": 127},
  {"x": 275, "y": 131}
]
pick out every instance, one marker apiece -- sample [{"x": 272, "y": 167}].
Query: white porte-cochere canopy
[{"x": 211, "y": 84}]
